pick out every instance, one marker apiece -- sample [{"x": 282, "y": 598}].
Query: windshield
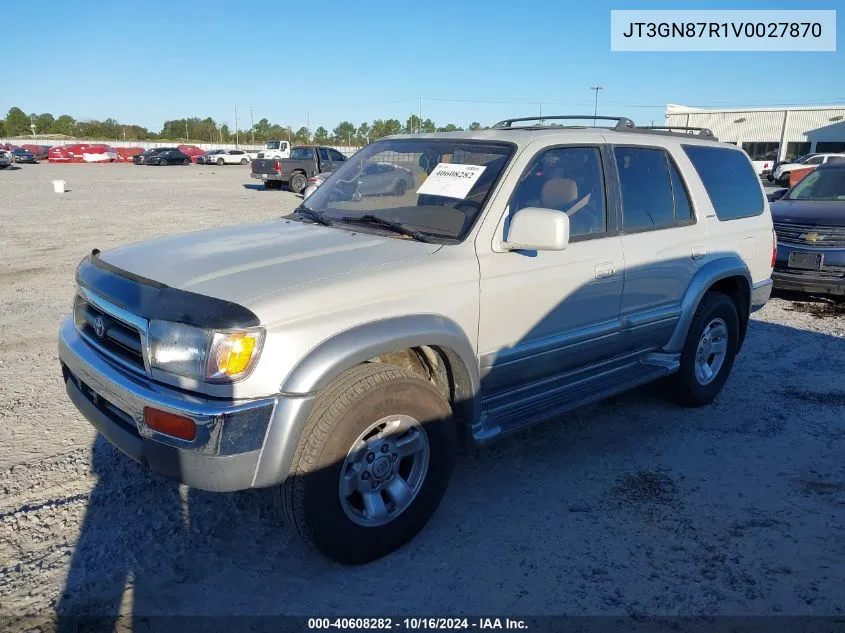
[
  {"x": 301, "y": 153},
  {"x": 435, "y": 187},
  {"x": 273, "y": 145},
  {"x": 821, "y": 184}
]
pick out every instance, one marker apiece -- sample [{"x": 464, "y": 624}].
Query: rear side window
[
  {"x": 301, "y": 153},
  {"x": 647, "y": 201},
  {"x": 729, "y": 179}
]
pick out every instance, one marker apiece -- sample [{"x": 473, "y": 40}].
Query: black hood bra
[{"x": 151, "y": 299}]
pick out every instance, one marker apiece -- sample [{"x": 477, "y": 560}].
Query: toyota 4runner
[{"x": 342, "y": 353}]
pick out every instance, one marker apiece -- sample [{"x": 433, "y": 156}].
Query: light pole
[{"x": 596, "y": 104}]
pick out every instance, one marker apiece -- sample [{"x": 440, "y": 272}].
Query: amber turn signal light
[{"x": 170, "y": 424}]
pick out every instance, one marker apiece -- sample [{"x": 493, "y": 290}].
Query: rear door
[
  {"x": 325, "y": 162},
  {"x": 663, "y": 241}
]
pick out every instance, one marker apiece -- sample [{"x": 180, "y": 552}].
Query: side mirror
[
  {"x": 536, "y": 229},
  {"x": 777, "y": 195}
]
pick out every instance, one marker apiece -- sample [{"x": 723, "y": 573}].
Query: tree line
[{"x": 18, "y": 123}]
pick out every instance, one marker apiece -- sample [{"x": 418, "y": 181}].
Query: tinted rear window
[
  {"x": 302, "y": 153},
  {"x": 730, "y": 180}
]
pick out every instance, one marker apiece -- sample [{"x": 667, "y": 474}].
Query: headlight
[{"x": 216, "y": 356}]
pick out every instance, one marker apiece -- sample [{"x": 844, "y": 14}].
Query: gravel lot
[{"x": 629, "y": 507}]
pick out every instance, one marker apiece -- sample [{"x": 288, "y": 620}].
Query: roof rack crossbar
[
  {"x": 621, "y": 121},
  {"x": 670, "y": 129}
]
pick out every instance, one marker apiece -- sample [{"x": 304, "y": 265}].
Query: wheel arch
[
  {"x": 727, "y": 274},
  {"x": 431, "y": 340},
  {"x": 439, "y": 340}
]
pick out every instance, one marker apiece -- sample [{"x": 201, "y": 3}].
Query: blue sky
[{"x": 144, "y": 62}]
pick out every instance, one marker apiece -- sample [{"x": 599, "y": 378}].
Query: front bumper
[
  {"x": 829, "y": 279},
  {"x": 808, "y": 281},
  {"x": 230, "y": 434}
]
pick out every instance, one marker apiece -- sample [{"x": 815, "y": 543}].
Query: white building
[{"x": 769, "y": 134}]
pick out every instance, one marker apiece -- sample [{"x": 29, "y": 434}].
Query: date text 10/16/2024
[{"x": 436, "y": 624}]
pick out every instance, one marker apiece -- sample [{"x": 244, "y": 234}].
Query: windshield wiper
[
  {"x": 314, "y": 215},
  {"x": 396, "y": 227}
]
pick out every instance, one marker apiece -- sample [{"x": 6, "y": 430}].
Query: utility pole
[
  {"x": 186, "y": 130},
  {"x": 236, "y": 128},
  {"x": 308, "y": 121},
  {"x": 252, "y": 123},
  {"x": 419, "y": 123},
  {"x": 596, "y": 106}
]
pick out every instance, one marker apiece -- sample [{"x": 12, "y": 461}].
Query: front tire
[
  {"x": 220, "y": 162},
  {"x": 186, "y": 161},
  {"x": 372, "y": 464},
  {"x": 244, "y": 161},
  {"x": 709, "y": 352}
]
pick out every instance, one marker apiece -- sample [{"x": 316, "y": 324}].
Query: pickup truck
[{"x": 305, "y": 161}]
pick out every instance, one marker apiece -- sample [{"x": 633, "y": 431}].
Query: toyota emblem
[{"x": 99, "y": 327}]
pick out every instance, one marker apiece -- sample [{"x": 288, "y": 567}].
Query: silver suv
[{"x": 342, "y": 353}]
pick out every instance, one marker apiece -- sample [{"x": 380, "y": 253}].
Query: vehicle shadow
[{"x": 253, "y": 187}]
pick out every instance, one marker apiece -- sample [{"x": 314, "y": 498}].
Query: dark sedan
[
  {"x": 24, "y": 156},
  {"x": 809, "y": 222},
  {"x": 141, "y": 159},
  {"x": 170, "y": 157}
]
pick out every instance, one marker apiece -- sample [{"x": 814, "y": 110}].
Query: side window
[
  {"x": 336, "y": 155},
  {"x": 568, "y": 179},
  {"x": 236, "y": 152},
  {"x": 815, "y": 160},
  {"x": 647, "y": 201},
  {"x": 683, "y": 208},
  {"x": 323, "y": 153},
  {"x": 730, "y": 181}
]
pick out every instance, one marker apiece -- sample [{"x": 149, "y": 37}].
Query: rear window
[
  {"x": 301, "y": 153},
  {"x": 729, "y": 179}
]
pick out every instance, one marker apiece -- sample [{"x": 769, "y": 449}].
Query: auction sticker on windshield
[{"x": 451, "y": 181}]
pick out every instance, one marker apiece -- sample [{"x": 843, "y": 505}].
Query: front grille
[
  {"x": 811, "y": 235},
  {"x": 110, "y": 335}
]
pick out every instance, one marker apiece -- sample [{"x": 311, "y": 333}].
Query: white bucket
[{"x": 59, "y": 186}]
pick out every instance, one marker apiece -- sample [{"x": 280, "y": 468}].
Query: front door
[{"x": 546, "y": 313}]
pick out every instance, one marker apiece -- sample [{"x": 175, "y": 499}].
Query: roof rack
[
  {"x": 702, "y": 132},
  {"x": 621, "y": 121}
]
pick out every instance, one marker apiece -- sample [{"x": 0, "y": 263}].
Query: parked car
[
  {"x": 781, "y": 173},
  {"x": 770, "y": 176},
  {"x": 24, "y": 156},
  {"x": 191, "y": 150},
  {"x": 207, "y": 157},
  {"x": 143, "y": 157},
  {"x": 230, "y": 157},
  {"x": 304, "y": 161},
  {"x": 809, "y": 221},
  {"x": 169, "y": 157},
  {"x": 39, "y": 151},
  {"x": 6, "y": 158},
  {"x": 337, "y": 354}
]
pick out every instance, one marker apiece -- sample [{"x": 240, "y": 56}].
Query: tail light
[
  {"x": 277, "y": 167},
  {"x": 312, "y": 180},
  {"x": 774, "y": 248}
]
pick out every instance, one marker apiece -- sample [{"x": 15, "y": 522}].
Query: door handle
[
  {"x": 606, "y": 269},
  {"x": 698, "y": 252}
]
